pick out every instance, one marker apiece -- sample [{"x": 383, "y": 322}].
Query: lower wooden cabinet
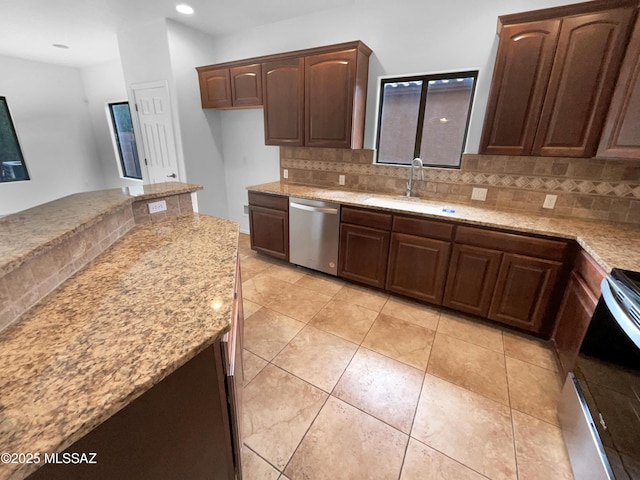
[
  {"x": 573, "y": 319},
  {"x": 507, "y": 277},
  {"x": 576, "y": 309},
  {"x": 363, "y": 254},
  {"x": 523, "y": 291},
  {"x": 269, "y": 224},
  {"x": 418, "y": 267},
  {"x": 180, "y": 428},
  {"x": 471, "y": 280},
  {"x": 511, "y": 278}
]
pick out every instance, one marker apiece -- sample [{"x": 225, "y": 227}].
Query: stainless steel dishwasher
[{"x": 314, "y": 234}]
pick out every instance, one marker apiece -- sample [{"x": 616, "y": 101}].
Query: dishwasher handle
[{"x": 309, "y": 208}]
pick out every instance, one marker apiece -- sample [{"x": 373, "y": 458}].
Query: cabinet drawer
[
  {"x": 277, "y": 202},
  {"x": 513, "y": 243},
  {"x": 366, "y": 218},
  {"x": 422, "y": 227}
]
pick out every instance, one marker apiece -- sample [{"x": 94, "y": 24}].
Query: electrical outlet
[
  {"x": 285, "y": 173},
  {"x": 155, "y": 207},
  {"x": 246, "y": 209},
  {"x": 479, "y": 194},
  {"x": 550, "y": 201},
  {"x": 341, "y": 179}
]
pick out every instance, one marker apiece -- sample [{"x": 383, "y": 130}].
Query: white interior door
[{"x": 156, "y": 130}]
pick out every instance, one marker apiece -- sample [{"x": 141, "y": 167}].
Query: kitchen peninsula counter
[
  {"x": 143, "y": 308},
  {"x": 26, "y": 234},
  {"x": 612, "y": 245}
]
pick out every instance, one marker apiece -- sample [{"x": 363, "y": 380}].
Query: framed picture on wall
[{"x": 12, "y": 166}]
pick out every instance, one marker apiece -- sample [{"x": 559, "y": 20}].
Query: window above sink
[{"x": 424, "y": 116}]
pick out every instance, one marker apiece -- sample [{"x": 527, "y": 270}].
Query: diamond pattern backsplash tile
[{"x": 576, "y": 181}]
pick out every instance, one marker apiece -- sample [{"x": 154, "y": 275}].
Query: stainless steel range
[{"x": 599, "y": 409}]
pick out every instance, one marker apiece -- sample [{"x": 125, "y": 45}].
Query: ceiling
[{"x": 29, "y": 28}]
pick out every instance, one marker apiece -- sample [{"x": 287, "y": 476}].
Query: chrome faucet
[{"x": 416, "y": 163}]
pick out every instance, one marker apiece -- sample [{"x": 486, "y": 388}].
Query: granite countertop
[
  {"x": 143, "y": 308},
  {"x": 33, "y": 231},
  {"x": 612, "y": 245}
]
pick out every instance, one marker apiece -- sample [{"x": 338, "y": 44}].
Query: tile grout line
[
  {"x": 261, "y": 457},
  {"x": 513, "y": 427}
]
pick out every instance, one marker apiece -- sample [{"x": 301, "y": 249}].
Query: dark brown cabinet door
[
  {"x": 269, "y": 231},
  {"x": 246, "y": 85},
  {"x": 573, "y": 319},
  {"x": 418, "y": 267},
  {"x": 621, "y": 135},
  {"x": 330, "y": 80},
  {"x": 587, "y": 60},
  {"x": 471, "y": 279},
  {"x": 523, "y": 66},
  {"x": 523, "y": 291},
  {"x": 363, "y": 254},
  {"x": 215, "y": 88},
  {"x": 283, "y": 87}
]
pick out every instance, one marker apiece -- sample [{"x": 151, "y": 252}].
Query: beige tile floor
[{"x": 343, "y": 382}]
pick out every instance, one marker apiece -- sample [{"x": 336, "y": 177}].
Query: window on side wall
[
  {"x": 12, "y": 166},
  {"x": 124, "y": 140},
  {"x": 425, "y": 116}
]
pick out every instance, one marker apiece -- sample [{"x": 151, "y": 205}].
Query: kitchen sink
[{"x": 403, "y": 203}]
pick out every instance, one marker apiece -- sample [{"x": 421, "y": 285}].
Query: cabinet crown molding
[
  {"x": 563, "y": 11},
  {"x": 355, "y": 45}
]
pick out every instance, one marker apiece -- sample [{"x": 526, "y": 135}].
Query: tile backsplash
[{"x": 585, "y": 187}]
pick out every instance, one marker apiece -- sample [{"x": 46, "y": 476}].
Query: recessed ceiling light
[
  {"x": 59, "y": 45},
  {"x": 185, "y": 9},
  {"x": 444, "y": 120}
]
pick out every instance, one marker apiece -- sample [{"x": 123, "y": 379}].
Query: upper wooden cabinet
[
  {"x": 283, "y": 86},
  {"x": 215, "y": 88},
  {"x": 314, "y": 97},
  {"x": 334, "y": 103},
  {"x": 523, "y": 66},
  {"x": 246, "y": 85},
  {"x": 317, "y": 98},
  {"x": 621, "y": 134},
  {"x": 554, "y": 78},
  {"x": 230, "y": 87}
]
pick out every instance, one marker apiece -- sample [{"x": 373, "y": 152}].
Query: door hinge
[
  {"x": 145, "y": 162},
  {"x": 136, "y": 106}
]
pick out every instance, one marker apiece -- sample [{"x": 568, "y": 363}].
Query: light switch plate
[
  {"x": 341, "y": 179},
  {"x": 285, "y": 173},
  {"x": 155, "y": 207},
  {"x": 550, "y": 201},
  {"x": 479, "y": 194}
]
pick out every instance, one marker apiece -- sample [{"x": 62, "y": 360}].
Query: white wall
[
  {"x": 144, "y": 53},
  {"x": 406, "y": 36},
  {"x": 52, "y": 119},
  {"x": 200, "y": 132},
  {"x": 103, "y": 84},
  {"x": 247, "y": 160}
]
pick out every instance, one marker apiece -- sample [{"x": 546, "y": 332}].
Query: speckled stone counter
[
  {"x": 612, "y": 245},
  {"x": 42, "y": 247},
  {"x": 139, "y": 311},
  {"x": 26, "y": 234}
]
